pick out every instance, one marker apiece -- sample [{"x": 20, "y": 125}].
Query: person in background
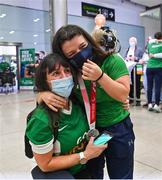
[
  {"x": 100, "y": 21},
  {"x": 4, "y": 66},
  {"x": 154, "y": 72},
  {"x": 13, "y": 66},
  {"x": 112, "y": 78},
  {"x": 134, "y": 53},
  {"x": 41, "y": 55},
  {"x": 61, "y": 156},
  {"x": 38, "y": 58},
  {"x": 144, "y": 61}
]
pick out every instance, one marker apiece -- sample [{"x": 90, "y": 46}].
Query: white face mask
[
  {"x": 62, "y": 87},
  {"x": 132, "y": 44}
]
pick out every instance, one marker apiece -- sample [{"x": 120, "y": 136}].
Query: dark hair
[
  {"x": 68, "y": 32},
  {"x": 42, "y": 52},
  {"x": 37, "y": 54},
  {"x": 47, "y": 66},
  {"x": 158, "y": 35}
]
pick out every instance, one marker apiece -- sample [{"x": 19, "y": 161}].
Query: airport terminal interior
[
  {"x": 26, "y": 29},
  {"x": 14, "y": 165}
]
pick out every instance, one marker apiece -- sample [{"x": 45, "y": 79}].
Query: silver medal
[{"x": 93, "y": 133}]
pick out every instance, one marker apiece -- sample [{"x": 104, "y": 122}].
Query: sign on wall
[
  {"x": 92, "y": 10},
  {"x": 27, "y": 68}
]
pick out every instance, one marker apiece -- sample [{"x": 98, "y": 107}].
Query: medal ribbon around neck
[{"x": 90, "y": 106}]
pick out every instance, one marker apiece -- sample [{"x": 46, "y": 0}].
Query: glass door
[{"x": 9, "y": 67}]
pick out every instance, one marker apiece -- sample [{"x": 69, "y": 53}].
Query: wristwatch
[{"x": 83, "y": 159}]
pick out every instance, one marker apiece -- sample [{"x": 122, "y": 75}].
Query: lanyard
[{"x": 90, "y": 107}]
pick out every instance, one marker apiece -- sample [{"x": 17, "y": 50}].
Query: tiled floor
[{"x": 14, "y": 165}]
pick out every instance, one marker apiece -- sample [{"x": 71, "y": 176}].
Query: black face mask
[{"x": 78, "y": 60}]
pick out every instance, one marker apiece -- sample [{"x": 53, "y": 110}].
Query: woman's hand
[
  {"x": 151, "y": 55},
  {"x": 126, "y": 104},
  {"x": 141, "y": 61},
  {"x": 91, "y": 71},
  {"x": 92, "y": 150},
  {"x": 52, "y": 100},
  {"x": 48, "y": 163}
]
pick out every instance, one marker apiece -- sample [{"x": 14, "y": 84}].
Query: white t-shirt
[{"x": 130, "y": 52}]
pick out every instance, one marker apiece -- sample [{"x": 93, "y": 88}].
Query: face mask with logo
[
  {"x": 78, "y": 60},
  {"x": 62, "y": 87}
]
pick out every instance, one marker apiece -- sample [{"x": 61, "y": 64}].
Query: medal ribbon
[{"x": 90, "y": 107}]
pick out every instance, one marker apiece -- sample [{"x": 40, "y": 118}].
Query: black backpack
[{"x": 28, "y": 149}]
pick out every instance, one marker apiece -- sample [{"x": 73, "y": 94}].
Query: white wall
[
  {"x": 124, "y": 12},
  {"x": 21, "y": 21},
  {"x": 34, "y": 4},
  {"x": 151, "y": 26}
]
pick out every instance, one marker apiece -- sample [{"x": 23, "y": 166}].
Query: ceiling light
[
  {"x": 35, "y": 35},
  {"x": 1, "y": 37},
  {"x": 2, "y": 15},
  {"x": 153, "y": 13},
  {"x": 11, "y": 32},
  {"x": 36, "y": 20},
  {"x": 35, "y": 43},
  {"x": 48, "y": 30}
]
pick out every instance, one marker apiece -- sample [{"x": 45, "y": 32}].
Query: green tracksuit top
[
  {"x": 108, "y": 110},
  {"x": 154, "y": 48},
  {"x": 71, "y": 133}
]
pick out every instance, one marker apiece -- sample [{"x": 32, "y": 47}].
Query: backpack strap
[
  {"x": 54, "y": 120},
  {"x": 28, "y": 149},
  {"x": 55, "y": 130},
  {"x": 54, "y": 123}
]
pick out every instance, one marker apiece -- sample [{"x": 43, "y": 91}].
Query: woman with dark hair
[
  {"x": 64, "y": 156},
  {"x": 110, "y": 73}
]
